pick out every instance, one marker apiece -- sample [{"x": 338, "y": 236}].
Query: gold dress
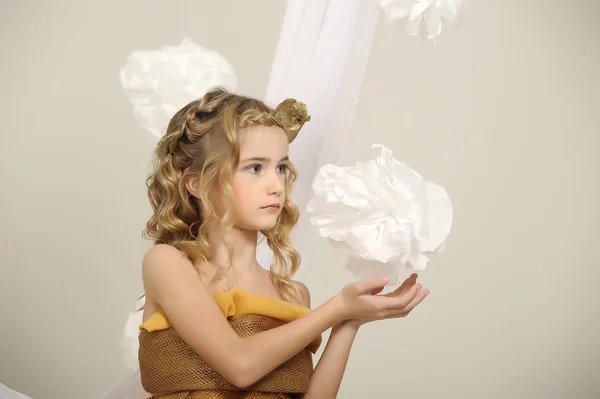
[{"x": 170, "y": 369}]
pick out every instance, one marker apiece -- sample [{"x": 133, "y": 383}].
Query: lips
[{"x": 271, "y": 206}]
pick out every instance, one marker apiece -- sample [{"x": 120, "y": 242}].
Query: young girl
[{"x": 216, "y": 324}]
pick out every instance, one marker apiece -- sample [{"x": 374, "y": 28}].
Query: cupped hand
[{"x": 363, "y": 302}]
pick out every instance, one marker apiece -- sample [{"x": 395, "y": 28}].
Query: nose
[{"x": 275, "y": 184}]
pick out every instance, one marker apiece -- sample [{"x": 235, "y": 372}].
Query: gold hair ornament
[{"x": 293, "y": 115}]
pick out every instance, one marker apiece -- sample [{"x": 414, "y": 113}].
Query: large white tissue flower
[
  {"x": 380, "y": 216},
  {"x": 160, "y": 82},
  {"x": 423, "y": 17}
]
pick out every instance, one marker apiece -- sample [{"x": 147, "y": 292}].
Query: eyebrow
[{"x": 262, "y": 159}]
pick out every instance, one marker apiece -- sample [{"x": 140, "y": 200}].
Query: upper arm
[
  {"x": 172, "y": 281},
  {"x": 302, "y": 294}
]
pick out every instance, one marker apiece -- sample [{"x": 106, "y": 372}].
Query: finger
[
  {"x": 398, "y": 302},
  {"x": 370, "y": 285},
  {"x": 406, "y": 285},
  {"x": 376, "y": 291},
  {"x": 408, "y": 308},
  {"x": 417, "y": 300},
  {"x": 412, "y": 279},
  {"x": 409, "y": 294}
]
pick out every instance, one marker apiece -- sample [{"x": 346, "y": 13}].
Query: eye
[
  {"x": 282, "y": 168},
  {"x": 254, "y": 168}
]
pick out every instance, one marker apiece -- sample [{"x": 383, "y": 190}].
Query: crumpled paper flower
[
  {"x": 130, "y": 342},
  {"x": 160, "y": 82},
  {"x": 423, "y": 17},
  {"x": 381, "y": 217}
]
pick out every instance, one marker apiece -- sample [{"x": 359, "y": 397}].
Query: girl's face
[{"x": 259, "y": 182}]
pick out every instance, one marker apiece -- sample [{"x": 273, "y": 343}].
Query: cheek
[{"x": 242, "y": 191}]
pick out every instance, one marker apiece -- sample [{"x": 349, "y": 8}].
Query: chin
[
  {"x": 265, "y": 226},
  {"x": 260, "y": 223},
  {"x": 262, "y": 226}
]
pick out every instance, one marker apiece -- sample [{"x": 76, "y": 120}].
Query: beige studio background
[{"x": 503, "y": 113}]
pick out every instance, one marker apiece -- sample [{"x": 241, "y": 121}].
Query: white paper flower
[
  {"x": 130, "y": 341},
  {"x": 423, "y": 17},
  {"x": 160, "y": 82},
  {"x": 381, "y": 216}
]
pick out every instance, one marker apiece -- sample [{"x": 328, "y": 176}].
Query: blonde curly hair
[{"x": 202, "y": 139}]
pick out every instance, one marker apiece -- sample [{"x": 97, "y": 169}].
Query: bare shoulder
[
  {"x": 162, "y": 261},
  {"x": 301, "y": 294},
  {"x": 163, "y": 256},
  {"x": 161, "y": 252}
]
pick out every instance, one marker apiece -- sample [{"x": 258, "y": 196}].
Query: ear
[{"x": 192, "y": 184}]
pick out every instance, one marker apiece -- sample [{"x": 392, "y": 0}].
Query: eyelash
[{"x": 249, "y": 168}]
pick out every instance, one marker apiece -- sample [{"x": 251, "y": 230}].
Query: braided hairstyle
[{"x": 202, "y": 139}]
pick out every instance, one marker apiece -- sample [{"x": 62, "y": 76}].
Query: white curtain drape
[{"x": 320, "y": 60}]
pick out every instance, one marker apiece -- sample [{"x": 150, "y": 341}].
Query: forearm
[
  {"x": 327, "y": 376},
  {"x": 261, "y": 353}
]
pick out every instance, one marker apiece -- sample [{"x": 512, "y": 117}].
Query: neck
[{"x": 243, "y": 243}]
